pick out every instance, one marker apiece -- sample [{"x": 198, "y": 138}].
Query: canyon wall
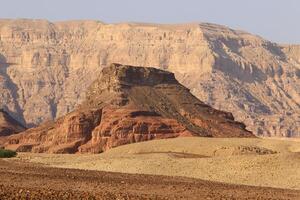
[{"x": 45, "y": 68}]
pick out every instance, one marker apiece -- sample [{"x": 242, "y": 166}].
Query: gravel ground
[{"x": 23, "y": 180}]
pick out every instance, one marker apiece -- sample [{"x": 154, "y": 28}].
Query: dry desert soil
[
  {"x": 20, "y": 180},
  {"x": 180, "y": 168}
]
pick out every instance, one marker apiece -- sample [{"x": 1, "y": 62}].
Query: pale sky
[{"x": 276, "y": 20}]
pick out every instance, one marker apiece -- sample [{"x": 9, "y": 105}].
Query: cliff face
[
  {"x": 124, "y": 105},
  {"x": 46, "y": 67}
]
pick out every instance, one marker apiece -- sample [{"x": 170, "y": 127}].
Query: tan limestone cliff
[{"x": 46, "y": 68}]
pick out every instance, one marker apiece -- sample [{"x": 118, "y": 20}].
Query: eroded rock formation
[
  {"x": 46, "y": 67},
  {"x": 129, "y": 104},
  {"x": 9, "y": 125}
]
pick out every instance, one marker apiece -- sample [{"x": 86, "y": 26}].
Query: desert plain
[
  {"x": 81, "y": 125},
  {"x": 179, "y": 168}
]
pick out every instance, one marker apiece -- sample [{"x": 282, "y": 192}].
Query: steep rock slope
[
  {"x": 46, "y": 67},
  {"x": 9, "y": 125},
  {"x": 129, "y": 104}
]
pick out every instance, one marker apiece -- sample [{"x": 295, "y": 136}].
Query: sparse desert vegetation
[{"x": 7, "y": 153}]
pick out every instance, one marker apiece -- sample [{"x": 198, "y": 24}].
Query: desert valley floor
[{"x": 181, "y": 168}]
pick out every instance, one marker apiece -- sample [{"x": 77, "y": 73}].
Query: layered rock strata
[
  {"x": 124, "y": 105},
  {"x": 46, "y": 67}
]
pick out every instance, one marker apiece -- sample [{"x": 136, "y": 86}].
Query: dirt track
[{"x": 21, "y": 180}]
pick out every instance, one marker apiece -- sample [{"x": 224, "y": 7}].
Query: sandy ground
[
  {"x": 256, "y": 162},
  {"x": 23, "y": 180}
]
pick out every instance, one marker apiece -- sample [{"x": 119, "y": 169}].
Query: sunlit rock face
[
  {"x": 46, "y": 67},
  {"x": 124, "y": 105}
]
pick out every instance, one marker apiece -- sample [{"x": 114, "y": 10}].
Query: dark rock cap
[{"x": 131, "y": 75}]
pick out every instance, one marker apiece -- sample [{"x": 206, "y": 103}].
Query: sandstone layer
[
  {"x": 125, "y": 105},
  {"x": 46, "y": 67},
  {"x": 8, "y": 125}
]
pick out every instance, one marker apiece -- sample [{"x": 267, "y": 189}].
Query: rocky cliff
[
  {"x": 124, "y": 105},
  {"x": 46, "y": 67},
  {"x": 8, "y": 125}
]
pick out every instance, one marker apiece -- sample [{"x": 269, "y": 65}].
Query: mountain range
[{"x": 45, "y": 68}]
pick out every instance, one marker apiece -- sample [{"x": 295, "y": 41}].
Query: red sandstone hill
[
  {"x": 129, "y": 104},
  {"x": 8, "y": 125}
]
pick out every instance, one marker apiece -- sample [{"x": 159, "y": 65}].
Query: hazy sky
[{"x": 276, "y": 20}]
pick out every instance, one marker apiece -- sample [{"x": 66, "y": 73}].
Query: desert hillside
[
  {"x": 46, "y": 67},
  {"x": 128, "y": 104}
]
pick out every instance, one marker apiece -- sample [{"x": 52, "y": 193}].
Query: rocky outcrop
[
  {"x": 46, "y": 67},
  {"x": 124, "y": 105},
  {"x": 9, "y": 125}
]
